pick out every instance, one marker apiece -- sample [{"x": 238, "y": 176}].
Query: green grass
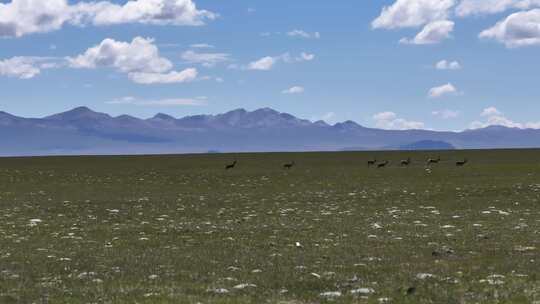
[{"x": 175, "y": 229}]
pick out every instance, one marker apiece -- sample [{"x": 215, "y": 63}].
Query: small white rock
[
  {"x": 362, "y": 291},
  {"x": 244, "y": 286},
  {"x": 331, "y": 294},
  {"x": 424, "y": 276}
]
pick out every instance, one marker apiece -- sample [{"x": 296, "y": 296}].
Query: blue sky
[{"x": 434, "y": 64}]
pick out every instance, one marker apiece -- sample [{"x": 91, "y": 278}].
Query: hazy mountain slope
[{"x": 83, "y": 131}]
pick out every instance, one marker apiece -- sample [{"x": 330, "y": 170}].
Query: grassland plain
[{"x": 181, "y": 229}]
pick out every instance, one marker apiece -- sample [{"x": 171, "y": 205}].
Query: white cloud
[
  {"x": 294, "y": 90},
  {"x": 201, "y": 46},
  {"x": 517, "y": 30},
  {"x": 129, "y": 100},
  {"x": 485, "y": 7},
  {"x": 447, "y": 65},
  {"x": 263, "y": 64},
  {"x": 140, "y": 59},
  {"x": 328, "y": 117},
  {"x": 21, "y": 17},
  {"x": 300, "y": 58},
  {"x": 159, "y": 12},
  {"x": 187, "y": 75},
  {"x": 206, "y": 59},
  {"x": 491, "y": 111},
  {"x": 28, "y": 67},
  {"x": 139, "y": 55},
  {"x": 19, "y": 67},
  {"x": 445, "y": 114},
  {"x": 434, "y": 32},
  {"x": 494, "y": 117},
  {"x": 442, "y": 90},
  {"x": 268, "y": 62},
  {"x": 304, "y": 34},
  {"x": 412, "y": 13},
  {"x": 306, "y": 57},
  {"x": 390, "y": 121}
]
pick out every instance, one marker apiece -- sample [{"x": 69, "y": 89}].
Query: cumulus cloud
[
  {"x": 447, "y": 65},
  {"x": 442, "y": 90},
  {"x": 485, "y": 7},
  {"x": 517, "y": 30},
  {"x": 294, "y": 90},
  {"x": 139, "y": 55},
  {"x": 434, "y": 32},
  {"x": 521, "y": 28},
  {"x": 412, "y": 13},
  {"x": 21, "y": 17},
  {"x": 206, "y": 59},
  {"x": 160, "y": 12},
  {"x": 19, "y": 67},
  {"x": 304, "y": 34},
  {"x": 26, "y": 67},
  {"x": 167, "y": 102},
  {"x": 445, "y": 114},
  {"x": 140, "y": 59},
  {"x": 493, "y": 117},
  {"x": 390, "y": 121}
]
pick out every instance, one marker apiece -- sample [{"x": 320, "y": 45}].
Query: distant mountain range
[{"x": 83, "y": 131}]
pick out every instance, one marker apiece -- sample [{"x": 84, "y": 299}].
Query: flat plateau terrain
[{"x": 182, "y": 229}]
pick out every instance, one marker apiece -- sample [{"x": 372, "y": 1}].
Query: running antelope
[
  {"x": 383, "y": 164},
  {"x": 433, "y": 161},
  {"x": 462, "y": 163},
  {"x": 406, "y": 162},
  {"x": 231, "y": 166},
  {"x": 289, "y": 165}
]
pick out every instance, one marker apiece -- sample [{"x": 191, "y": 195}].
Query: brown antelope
[
  {"x": 462, "y": 163},
  {"x": 383, "y": 164},
  {"x": 433, "y": 161},
  {"x": 406, "y": 162},
  {"x": 231, "y": 166},
  {"x": 289, "y": 165},
  {"x": 372, "y": 162}
]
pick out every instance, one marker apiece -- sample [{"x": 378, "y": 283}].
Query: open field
[{"x": 181, "y": 229}]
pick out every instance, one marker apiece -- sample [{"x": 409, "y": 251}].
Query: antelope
[
  {"x": 289, "y": 165},
  {"x": 383, "y": 164},
  {"x": 461, "y": 163},
  {"x": 406, "y": 162},
  {"x": 231, "y": 166},
  {"x": 371, "y": 162},
  {"x": 433, "y": 161}
]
